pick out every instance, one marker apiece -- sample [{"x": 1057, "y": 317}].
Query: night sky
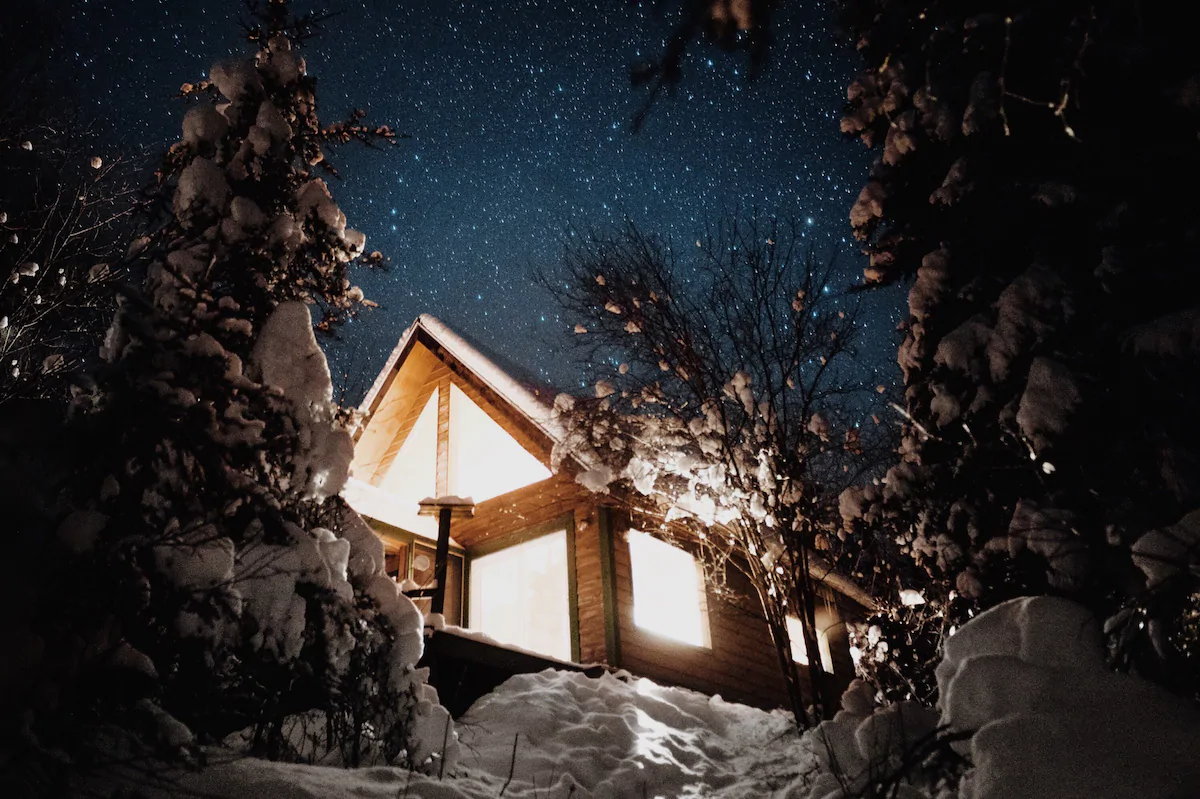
[{"x": 519, "y": 113}]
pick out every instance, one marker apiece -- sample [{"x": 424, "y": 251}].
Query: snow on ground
[
  {"x": 612, "y": 738},
  {"x": 562, "y": 734},
  {"x": 1025, "y": 683}
]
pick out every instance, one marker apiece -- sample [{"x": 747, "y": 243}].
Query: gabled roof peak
[{"x": 521, "y": 398}]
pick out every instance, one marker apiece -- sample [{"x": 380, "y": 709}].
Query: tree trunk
[
  {"x": 789, "y": 671},
  {"x": 823, "y": 703}
]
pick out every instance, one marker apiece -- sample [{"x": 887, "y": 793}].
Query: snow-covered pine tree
[
  {"x": 210, "y": 446},
  {"x": 1026, "y": 155}
]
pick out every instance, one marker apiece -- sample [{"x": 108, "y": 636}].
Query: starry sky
[{"x": 519, "y": 113}]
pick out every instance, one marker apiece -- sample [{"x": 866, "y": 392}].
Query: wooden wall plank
[
  {"x": 741, "y": 665},
  {"x": 538, "y": 504}
]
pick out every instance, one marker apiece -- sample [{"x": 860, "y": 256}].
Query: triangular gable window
[
  {"x": 485, "y": 461},
  {"x": 412, "y": 475}
]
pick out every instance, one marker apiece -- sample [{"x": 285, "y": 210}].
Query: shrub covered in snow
[
  {"x": 1030, "y": 711},
  {"x": 1028, "y": 708}
]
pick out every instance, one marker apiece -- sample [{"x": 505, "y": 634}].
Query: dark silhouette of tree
[
  {"x": 1032, "y": 183},
  {"x": 66, "y": 215},
  {"x": 1025, "y": 158}
]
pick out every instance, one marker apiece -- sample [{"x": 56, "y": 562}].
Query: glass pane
[
  {"x": 800, "y": 651},
  {"x": 519, "y": 595},
  {"x": 422, "y": 566},
  {"x": 452, "y": 609},
  {"x": 422, "y": 574},
  {"x": 668, "y": 590},
  {"x": 485, "y": 461},
  {"x": 411, "y": 477}
]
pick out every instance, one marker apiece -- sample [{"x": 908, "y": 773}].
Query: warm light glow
[
  {"x": 800, "y": 653},
  {"x": 485, "y": 461},
  {"x": 519, "y": 595},
  {"x": 668, "y": 590},
  {"x": 412, "y": 476}
]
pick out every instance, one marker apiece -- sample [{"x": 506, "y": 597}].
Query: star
[{"x": 519, "y": 115}]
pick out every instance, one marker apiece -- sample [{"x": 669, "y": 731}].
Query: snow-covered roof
[{"x": 517, "y": 395}]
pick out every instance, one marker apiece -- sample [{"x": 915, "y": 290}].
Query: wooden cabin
[{"x": 543, "y": 565}]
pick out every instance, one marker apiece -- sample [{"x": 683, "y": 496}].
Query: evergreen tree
[
  {"x": 214, "y": 561},
  {"x": 1026, "y": 156}
]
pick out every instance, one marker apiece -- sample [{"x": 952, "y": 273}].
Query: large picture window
[
  {"x": 521, "y": 595},
  {"x": 668, "y": 590}
]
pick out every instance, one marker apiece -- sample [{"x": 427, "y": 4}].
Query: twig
[
  {"x": 445, "y": 743},
  {"x": 899, "y": 409},
  {"x": 512, "y": 766}
]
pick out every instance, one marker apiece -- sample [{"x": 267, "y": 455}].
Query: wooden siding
[
  {"x": 443, "y": 433},
  {"x": 741, "y": 664},
  {"x": 539, "y": 504},
  {"x": 397, "y": 411}
]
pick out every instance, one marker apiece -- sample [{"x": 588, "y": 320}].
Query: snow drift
[{"x": 1024, "y": 684}]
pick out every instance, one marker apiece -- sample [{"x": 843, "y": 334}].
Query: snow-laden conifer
[{"x": 208, "y": 525}]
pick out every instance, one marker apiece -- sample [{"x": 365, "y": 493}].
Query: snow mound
[
  {"x": 1050, "y": 399},
  {"x": 857, "y": 746},
  {"x": 1028, "y": 677},
  {"x": 268, "y": 577},
  {"x": 1160, "y": 554},
  {"x": 406, "y": 622},
  {"x": 573, "y": 736},
  {"x": 289, "y": 358},
  {"x": 202, "y": 192},
  {"x": 609, "y": 738},
  {"x": 1025, "y": 683}
]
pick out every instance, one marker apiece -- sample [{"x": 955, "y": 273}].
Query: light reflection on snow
[{"x": 675, "y": 750}]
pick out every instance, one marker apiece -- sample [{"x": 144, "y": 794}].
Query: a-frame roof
[
  {"x": 413, "y": 445},
  {"x": 532, "y": 404}
]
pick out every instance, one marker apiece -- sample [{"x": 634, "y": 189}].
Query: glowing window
[
  {"x": 485, "y": 461},
  {"x": 668, "y": 591},
  {"x": 800, "y": 652},
  {"x": 519, "y": 595},
  {"x": 412, "y": 476}
]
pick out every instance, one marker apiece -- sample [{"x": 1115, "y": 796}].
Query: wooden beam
[
  {"x": 443, "y": 436},
  {"x": 608, "y": 588},
  {"x": 441, "y": 556},
  {"x": 445, "y": 509}
]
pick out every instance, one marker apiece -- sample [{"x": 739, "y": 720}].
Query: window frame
[
  {"x": 565, "y": 522},
  {"x": 705, "y": 611},
  {"x": 389, "y": 533}
]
